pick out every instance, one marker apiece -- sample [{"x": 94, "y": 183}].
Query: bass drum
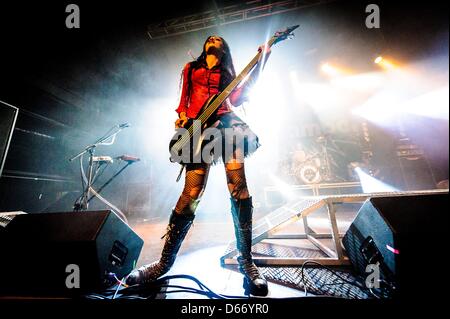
[{"x": 310, "y": 174}]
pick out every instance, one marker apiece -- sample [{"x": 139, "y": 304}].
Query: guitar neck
[{"x": 227, "y": 91}]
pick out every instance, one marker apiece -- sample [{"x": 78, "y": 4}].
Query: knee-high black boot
[
  {"x": 254, "y": 281},
  {"x": 177, "y": 229}
]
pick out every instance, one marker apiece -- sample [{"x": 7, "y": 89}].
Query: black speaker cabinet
[
  {"x": 406, "y": 234},
  {"x": 66, "y": 253}
]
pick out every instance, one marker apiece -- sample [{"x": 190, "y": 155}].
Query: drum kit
[{"x": 316, "y": 164}]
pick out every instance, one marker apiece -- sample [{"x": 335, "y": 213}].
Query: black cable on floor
[{"x": 137, "y": 291}]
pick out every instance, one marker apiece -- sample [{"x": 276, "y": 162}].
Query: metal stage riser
[
  {"x": 288, "y": 262},
  {"x": 300, "y": 210}
]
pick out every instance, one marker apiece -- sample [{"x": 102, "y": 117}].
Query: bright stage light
[
  {"x": 403, "y": 91},
  {"x": 360, "y": 82},
  {"x": 320, "y": 96},
  {"x": 433, "y": 104},
  {"x": 267, "y": 107},
  {"x": 385, "y": 63},
  {"x": 388, "y": 106},
  {"x": 333, "y": 70},
  {"x": 382, "y": 108},
  {"x": 330, "y": 70},
  {"x": 284, "y": 188},
  {"x": 160, "y": 113},
  {"x": 370, "y": 184},
  {"x": 266, "y": 95}
]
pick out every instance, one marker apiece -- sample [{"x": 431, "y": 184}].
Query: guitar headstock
[{"x": 284, "y": 34}]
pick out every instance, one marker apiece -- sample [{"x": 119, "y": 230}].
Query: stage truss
[{"x": 226, "y": 15}]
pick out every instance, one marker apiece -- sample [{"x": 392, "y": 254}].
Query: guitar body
[{"x": 191, "y": 135}]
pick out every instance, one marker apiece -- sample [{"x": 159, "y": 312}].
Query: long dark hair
[{"x": 227, "y": 68}]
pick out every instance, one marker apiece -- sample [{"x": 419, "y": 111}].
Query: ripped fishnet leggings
[
  {"x": 194, "y": 185},
  {"x": 237, "y": 183}
]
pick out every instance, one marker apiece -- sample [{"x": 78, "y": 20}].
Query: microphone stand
[
  {"x": 84, "y": 202},
  {"x": 109, "y": 181}
]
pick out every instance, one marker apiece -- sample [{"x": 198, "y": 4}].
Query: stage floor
[{"x": 208, "y": 240}]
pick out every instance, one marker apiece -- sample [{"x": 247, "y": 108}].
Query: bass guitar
[{"x": 188, "y": 138}]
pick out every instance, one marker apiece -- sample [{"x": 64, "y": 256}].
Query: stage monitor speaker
[
  {"x": 8, "y": 117},
  {"x": 66, "y": 253},
  {"x": 405, "y": 235}
]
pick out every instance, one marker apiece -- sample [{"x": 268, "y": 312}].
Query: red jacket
[{"x": 205, "y": 83}]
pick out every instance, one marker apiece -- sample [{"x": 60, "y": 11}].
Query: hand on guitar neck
[
  {"x": 181, "y": 121},
  {"x": 266, "y": 51},
  {"x": 253, "y": 76}
]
